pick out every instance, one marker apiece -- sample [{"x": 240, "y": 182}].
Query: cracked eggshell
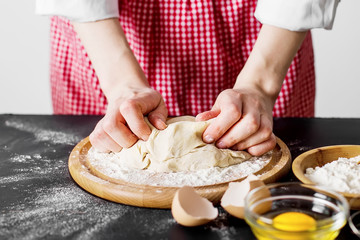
[
  {"x": 233, "y": 199},
  {"x": 190, "y": 209}
]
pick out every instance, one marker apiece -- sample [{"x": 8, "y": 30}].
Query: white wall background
[
  {"x": 337, "y": 62},
  {"x": 24, "y": 61}
]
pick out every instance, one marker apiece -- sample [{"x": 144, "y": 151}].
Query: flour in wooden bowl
[
  {"x": 112, "y": 166},
  {"x": 341, "y": 175}
]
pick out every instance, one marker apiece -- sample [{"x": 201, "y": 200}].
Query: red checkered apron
[{"x": 189, "y": 50}]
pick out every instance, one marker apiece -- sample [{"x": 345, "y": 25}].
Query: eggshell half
[
  {"x": 234, "y": 197},
  {"x": 190, "y": 209}
]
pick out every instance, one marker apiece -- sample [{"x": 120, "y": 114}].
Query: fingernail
[
  {"x": 145, "y": 138},
  {"x": 163, "y": 124},
  {"x": 208, "y": 139},
  {"x": 221, "y": 144},
  {"x": 198, "y": 117}
]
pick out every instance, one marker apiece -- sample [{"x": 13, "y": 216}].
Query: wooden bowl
[
  {"x": 139, "y": 195},
  {"x": 319, "y": 157}
]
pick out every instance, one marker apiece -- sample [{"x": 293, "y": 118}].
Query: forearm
[
  {"x": 269, "y": 60},
  {"x": 111, "y": 56}
]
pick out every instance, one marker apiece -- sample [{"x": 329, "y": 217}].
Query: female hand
[
  {"x": 123, "y": 123},
  {"x": 244, "y": 114},
  {"x": 243, "y": 121},
  {"x": 124, "y": 84}
]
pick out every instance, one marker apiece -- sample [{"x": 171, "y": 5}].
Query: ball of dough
[{"x": 179, "y": 147}]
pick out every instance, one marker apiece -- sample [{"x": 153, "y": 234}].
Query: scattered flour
[
  {"x": 341, "y": 175},
  {"x": 61, "y": 211},
  {"x": 21, "y": 158},
  {"x": 51, "y": 211},
  {"x": 41, "y": 167},
  {"x": 298, "y": 145},
  {"x": 44, "y": 135},
  {"x": 222, "y": 227},
  {"x": 111, "y": 165}
]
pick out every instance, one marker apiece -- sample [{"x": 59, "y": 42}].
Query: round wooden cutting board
[{"x": 123, "y": 192}]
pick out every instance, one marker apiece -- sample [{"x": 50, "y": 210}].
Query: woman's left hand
[
  {"x": 243, "y": 115},
  {"x": 242, "y": 121}
]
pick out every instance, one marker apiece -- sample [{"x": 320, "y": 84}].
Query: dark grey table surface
[{"x": 39, "y": 199}]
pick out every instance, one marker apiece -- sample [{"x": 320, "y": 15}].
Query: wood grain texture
[
  {"x": 319, "y": 157},
  {"x": 93, "y": 181}
]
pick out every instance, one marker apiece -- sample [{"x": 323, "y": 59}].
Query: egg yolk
[{"x": 294, "y": 222}]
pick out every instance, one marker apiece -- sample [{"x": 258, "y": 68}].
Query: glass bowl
[
  {"x": 354, "y": 223},
  {"x": 295, "y": 211}
]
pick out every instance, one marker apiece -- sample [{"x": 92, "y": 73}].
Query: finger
[
  {"x": 101, "y": 141},
  {"x": 204, "y": 116},
  {"x": 158, "y": 116},
  {"x": 263, "y": 134},
  {"x": 229, "y": 115},
  {"x": 115, "y": 126},
  {"x": 247, "y": 126},
  {"x": 263, "y": 147},
  {"x": 119, "y": 132},
  {"x": 132, "y": 112}
]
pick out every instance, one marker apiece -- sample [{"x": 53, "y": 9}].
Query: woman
[{"x": 213, "y": 59}]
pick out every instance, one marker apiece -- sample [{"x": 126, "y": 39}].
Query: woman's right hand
[
  {"x": 123, "y": 123},
  {"x": 124, "y": 84}
]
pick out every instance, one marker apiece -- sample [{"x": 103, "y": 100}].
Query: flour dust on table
[
  {"x": 22, "y": 172},
  {"x": 43, "y": 134},
  {"x": 38, "y": 198},
  {"x": 61, "y": 210}
]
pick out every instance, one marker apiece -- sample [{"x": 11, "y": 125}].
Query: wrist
[
  {"x": 125, "y": 89},
  {"x": 269, "y": 60},
  {"x": 122, "y": 75},
  {"x": 113, "y": 60},
  {"x": 261, "y": 79}
]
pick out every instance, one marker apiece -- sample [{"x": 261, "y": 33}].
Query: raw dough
[{"x": 179, "y": 148}]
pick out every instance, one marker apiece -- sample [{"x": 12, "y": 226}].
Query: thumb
[
  {"x": 158, "y": 116},
  {"x": 204, "y": 116}
]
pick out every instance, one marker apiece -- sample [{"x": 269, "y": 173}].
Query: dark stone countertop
[{"x": 39, "y": 199}]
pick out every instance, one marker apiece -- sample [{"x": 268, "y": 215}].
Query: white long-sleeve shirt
[
  {"x": 297, "y": 15},
  {"x": 294, "y": 15}
]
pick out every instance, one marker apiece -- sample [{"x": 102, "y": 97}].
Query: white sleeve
[
  {"x": 297, "y": 15},
  {"x": 79, "y": 10}
]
